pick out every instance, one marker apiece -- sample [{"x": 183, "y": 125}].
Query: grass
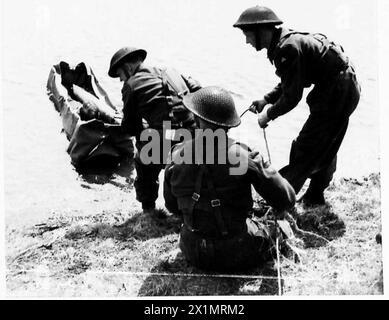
[{"x": 125, "y": 253}]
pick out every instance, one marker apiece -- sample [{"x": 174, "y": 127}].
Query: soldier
[
  {"x": 150, "y": 96},
  {"x": 215, "y": 204},
  {"x": 302, "y": 59}
]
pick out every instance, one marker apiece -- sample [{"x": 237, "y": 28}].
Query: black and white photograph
[{"x": 184, "y": 148}]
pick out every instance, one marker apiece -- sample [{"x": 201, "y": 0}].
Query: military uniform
[
  {"x": 150, "y": 94},
  {"x": 217, "y": 233},
  {"x": 303, "y": 59}
]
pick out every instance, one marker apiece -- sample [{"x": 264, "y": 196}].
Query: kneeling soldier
[{"x": 214, "y": 198}]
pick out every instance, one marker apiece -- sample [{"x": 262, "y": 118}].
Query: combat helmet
[
  {"x": 257, "y": 15},
  {"x": 121, "y": 55},
  {"x": 213, "y": 104}
]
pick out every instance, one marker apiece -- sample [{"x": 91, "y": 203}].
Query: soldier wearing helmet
[
  {"x": 302, "y": 59},
  {"x": 150, "y": 95},
  {"x": 217, "y": 232}
]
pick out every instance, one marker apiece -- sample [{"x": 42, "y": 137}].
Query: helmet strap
[
  {"x": 126, "y": 73},
  {"x": 258, "y": 40},
  {"x": 129, "y": 69}
]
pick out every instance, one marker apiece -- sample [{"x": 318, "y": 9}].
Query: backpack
[{"x": 175, "y": 90}]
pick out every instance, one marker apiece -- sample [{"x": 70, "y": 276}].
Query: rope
[
  {"x": 248, "y": 109},
  {"x": 267, "y": 145},
  {"x": 279, "y": 275},
  {"x": 188, "y": 275}
]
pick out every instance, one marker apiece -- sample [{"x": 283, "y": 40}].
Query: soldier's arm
[
  {"x": 274, "y": 95},
  {"x": 290, "y": 68},
  {"x": 132, "y": 121},
  {"x": 192, "y": 84},
  {"x": 170, "y": 199},
  {"x": 269, "y": 184}
]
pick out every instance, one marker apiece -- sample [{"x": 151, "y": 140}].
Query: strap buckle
[
  {"x": 195, "y": 196},
  {"x": 215, "y": 203},
  {"x": 169, "y": 99}
]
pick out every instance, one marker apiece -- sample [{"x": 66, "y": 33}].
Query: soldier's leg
[
  {"x": 315, "y": 148},
  {"x": 306, "y": 152},
  {"x": 321, "y": 178},
  {"x": 319, "y": 182},
  {"x": 146, "y": 182}
]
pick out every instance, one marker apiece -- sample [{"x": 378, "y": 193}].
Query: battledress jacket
[
  {"x": 234, "y": 191},
  {"x": 301, "y": 59},
  {"x": 144, "y": 97}
]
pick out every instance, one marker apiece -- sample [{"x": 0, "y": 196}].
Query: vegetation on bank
[{"x": 119, "y": 252}]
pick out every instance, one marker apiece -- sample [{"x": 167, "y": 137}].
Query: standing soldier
[
  {"x": 153, "y": 95},
  {"x": 302, "y": 59},
  {"x": 217, "y": 232}
]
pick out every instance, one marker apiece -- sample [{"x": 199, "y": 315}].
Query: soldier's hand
[
  {"x": 258, "y": 105},
  {"x": 253, "y": 154},
  {"x": 263, "y": 119},
  {"x": 180, "y": 114}
]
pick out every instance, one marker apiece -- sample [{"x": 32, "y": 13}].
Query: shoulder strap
[
  {"x": 292, "y": 32},
  {"x": 215, "y": 203},
  {"x": 196, "y": 195},
  {"x": 172, "y": 78}
]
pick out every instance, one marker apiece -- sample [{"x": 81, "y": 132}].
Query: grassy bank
[{"x": 114, "y": 250}]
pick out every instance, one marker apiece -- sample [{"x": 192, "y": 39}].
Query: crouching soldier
[
  {"x": 150, "y": 96},
  {"x": 211, "y": 188},
  {"x": 302, "y": 59}
]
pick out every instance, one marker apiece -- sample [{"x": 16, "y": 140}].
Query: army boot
[
  {"x": 313, "y": 197},
  {"x": 150, "y": 210}
]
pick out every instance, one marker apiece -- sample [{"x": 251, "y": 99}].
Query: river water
[{"x": 197, "y": 38}]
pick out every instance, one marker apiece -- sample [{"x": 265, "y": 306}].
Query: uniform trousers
[{"x": 314, "y": 152}]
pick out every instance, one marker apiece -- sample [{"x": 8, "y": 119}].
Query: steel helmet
[
  {"x": 213, "y": 104},
  {"x": 257, "y": 16},
  {"x": 120, "y": 55}
]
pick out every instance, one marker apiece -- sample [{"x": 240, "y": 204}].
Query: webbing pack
[
  {"x": 170, "y": 77},
  {"x": 215, "y": 203},
  {"x": 175, "y": 89}
]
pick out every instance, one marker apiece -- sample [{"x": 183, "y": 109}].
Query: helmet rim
[
  {"x": 119, "y": 57},
  {"x": 257, "y": 15}
]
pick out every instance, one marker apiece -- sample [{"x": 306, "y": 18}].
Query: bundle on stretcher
[{"x": 90, "y": 120}]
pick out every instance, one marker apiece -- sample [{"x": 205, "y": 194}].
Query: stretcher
[{"x": 91, "y": 122}]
